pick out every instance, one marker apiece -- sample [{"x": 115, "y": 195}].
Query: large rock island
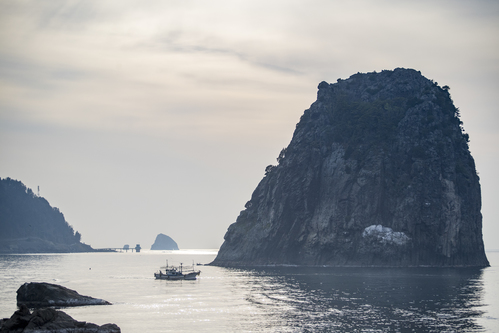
[{"x": 378, "y": 173}]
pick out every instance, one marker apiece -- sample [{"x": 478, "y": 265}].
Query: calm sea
[{"x": 276, "y": 299}]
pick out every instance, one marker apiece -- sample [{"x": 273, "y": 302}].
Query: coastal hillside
[
  {"x": 28, "y": 224},
  {"x": 378, "y": 173}
]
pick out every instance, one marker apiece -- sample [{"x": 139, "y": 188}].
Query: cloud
[{"x": 210, "y": 91}]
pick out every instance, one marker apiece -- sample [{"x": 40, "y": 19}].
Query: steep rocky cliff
[{"x": 378, "y": 172}]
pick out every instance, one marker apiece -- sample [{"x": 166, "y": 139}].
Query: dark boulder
[
  {"x": 41, "y": 294},
  {"x": 164, "y": 242},
  {"x": 49, "y": 320}
]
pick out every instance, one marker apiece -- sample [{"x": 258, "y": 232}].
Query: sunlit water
[{"x": 277, "y": 299}]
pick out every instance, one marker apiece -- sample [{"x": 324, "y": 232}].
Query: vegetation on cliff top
[{"x": 29, "y": 224}]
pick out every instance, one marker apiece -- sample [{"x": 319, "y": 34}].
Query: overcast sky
[{"x": 144, "y": 117}]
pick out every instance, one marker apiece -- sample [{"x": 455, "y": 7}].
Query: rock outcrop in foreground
[
  {"x": 49, "y": 320},
  {"x": 164, "y": 242},
  {"x": 41, "y": 294},
  {"x": 378, "y": 173}
]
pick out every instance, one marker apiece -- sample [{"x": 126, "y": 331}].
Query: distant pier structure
[{"x": 125, "y": 248}]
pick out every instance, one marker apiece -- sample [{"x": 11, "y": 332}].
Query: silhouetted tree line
[{"x": 23, "y": 214}]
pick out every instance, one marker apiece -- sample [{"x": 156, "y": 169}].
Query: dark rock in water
[
  {"x": 164, "y": 242},
  {"x": 49, "y": 320},
  {"x": 378, "y": 173},
  {"x": 41, "y": 294}
]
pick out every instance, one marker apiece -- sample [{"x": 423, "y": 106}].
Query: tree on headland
[{"x": 29, "y": 223}]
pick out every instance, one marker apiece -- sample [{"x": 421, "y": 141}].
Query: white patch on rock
[{"x": 385, "y": 235}]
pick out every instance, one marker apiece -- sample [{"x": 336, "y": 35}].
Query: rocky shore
[
  {"x": 50, "y": 320},
  {"x": 43, "y": 298}
]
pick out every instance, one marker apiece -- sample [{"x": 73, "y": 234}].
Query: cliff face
[
  {"x": 378, "y": 172},
  {"x": 28, "y": 224}
]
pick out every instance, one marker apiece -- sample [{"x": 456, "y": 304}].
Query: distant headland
[{"x": 28, "y": 224}]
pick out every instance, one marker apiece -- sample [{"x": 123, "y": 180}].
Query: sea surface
[{"x": 270, "y": 299}]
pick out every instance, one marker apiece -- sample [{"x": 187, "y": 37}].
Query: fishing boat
[{"x": 177, "y": 273}]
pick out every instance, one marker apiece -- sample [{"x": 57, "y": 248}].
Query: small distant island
[
  {"x": 28, "y": 224},
  {"x": 164, "y": 242}
]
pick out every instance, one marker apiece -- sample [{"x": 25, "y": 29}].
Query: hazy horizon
[{"x": 140, "y": 118}]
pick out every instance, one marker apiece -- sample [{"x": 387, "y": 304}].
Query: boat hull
[{"x": 177, "y": 276}]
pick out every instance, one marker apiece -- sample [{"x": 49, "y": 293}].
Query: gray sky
[{"x": 144, "y": 117}]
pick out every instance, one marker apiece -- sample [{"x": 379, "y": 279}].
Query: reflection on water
[
  {"x": 358, "y": 299},
  {"x": 271, "y": 299},
  {"x": 17, "y": 269}
]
